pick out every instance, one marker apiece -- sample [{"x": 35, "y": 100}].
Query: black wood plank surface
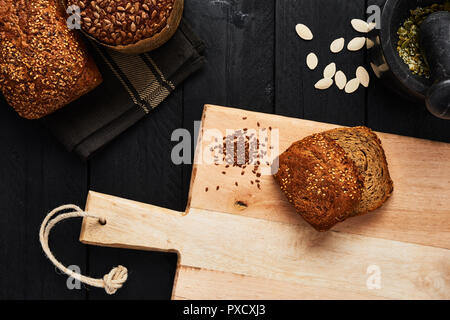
[
  {"x": 37, "y": 175},
  {"x": 256, "y": 61},
  {"x": 138, "y": 166},
  {"x": 387, "y": 112},
  {"x": 295, "y": 92}
]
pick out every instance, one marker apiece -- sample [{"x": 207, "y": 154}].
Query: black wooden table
[{"x": 255, "y": 61}]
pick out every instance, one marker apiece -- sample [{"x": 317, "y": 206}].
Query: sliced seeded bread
[
  {"x": 320, "y": 181},
  {"x": 331, "y": 176},
  {"x": 363, "y": 146}
]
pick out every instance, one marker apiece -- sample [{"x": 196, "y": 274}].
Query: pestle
[{"x": 435, "y": 43}]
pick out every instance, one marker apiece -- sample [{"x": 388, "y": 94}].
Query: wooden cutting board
[{"x": 244, "y": 241}]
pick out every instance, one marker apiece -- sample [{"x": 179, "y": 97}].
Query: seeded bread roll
[
  {"x": 43, "y": 65},
  {"x": 130, "y": 26},
  {"x": 364, "y": 147},
  {"x": 334, "y": 175},
  {"x": 320, "y": 181}
]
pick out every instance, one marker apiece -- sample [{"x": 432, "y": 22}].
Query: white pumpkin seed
[
  {"x": 329, "y": 70},
  {"x": 352, "y": 86},
  {"x": 360, "y": 25},
  {"x": 340, "y": 79},
  {"x": 356, "y": 44},
  {"x": 312, "y": 61},
  {"x": 363, "y": 76},
  {"x": 323, "y": 84},
  {"x": 337, "y": 45},
  {"x": 303, "y": 32}
]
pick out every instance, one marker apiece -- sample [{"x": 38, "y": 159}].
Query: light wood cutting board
[{"x": 245, "y": 242}]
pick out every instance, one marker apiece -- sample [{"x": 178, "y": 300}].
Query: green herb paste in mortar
[{"x": 408, "y": 44}]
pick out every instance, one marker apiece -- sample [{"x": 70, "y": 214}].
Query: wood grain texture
[
  {"x": 421, "y": 182},
  {"x": 201, "y": 284},
  {"x": 273, "y": 251}
]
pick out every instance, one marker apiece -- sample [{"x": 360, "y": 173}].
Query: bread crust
[
  {"x": 43, "y": 64},
  {"x": 319, "y": 180}
]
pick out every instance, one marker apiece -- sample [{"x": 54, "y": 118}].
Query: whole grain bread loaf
[
  {"x": 320, "y": 181},
  {"x": 331, "y": 176},
  {"x": 43, "y": 64}
]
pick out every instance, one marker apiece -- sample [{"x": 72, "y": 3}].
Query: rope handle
[{"x": 111, "y": 282}]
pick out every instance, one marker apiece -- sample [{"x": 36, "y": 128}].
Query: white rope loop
[{"x": 111, "y": 282}]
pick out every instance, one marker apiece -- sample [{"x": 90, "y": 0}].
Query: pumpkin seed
[
  {"x": 356, "y": 44},
  {"x": 360, "y": 25},
  {"x": 337, "y": 45},
  {"x": 303, "y": 32},
  {"x": 340, "y": 79},
  {"x": 329, "y": 70},
  {"x": 323, "y": 84},
  {"x": 352, "y": 86},
  {"x": 312, "y": 61},
  {"x": 363, "y": 76}
]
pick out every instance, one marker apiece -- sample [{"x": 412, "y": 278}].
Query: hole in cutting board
[{"x": 240, "y": 205}]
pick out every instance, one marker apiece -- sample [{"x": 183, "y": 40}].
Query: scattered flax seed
[
  {"x": 206, "y": 189},
  {"x": 217, "y": 188},
  {"x": 244, "y": 118},
  {"x": 251, "y": 182},
  {"x": 241, "y": 149}
]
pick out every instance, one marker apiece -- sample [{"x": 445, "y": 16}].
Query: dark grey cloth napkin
[{"x": 132, "y": 86}]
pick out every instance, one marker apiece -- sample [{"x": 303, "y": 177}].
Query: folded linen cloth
[{"x": 133, "y": 85}]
